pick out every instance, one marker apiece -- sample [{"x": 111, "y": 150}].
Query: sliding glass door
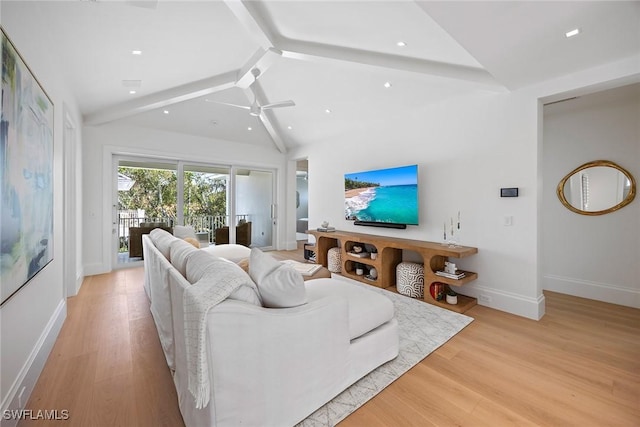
[{"x": 224, "y": 204}]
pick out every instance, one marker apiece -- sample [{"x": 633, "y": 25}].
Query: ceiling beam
[
  {"x": 311, "y": 51},
  {"x": 259, "y": 28},
  {"x": 255, "y": 17},
  {"x": 163, "y": 98}
]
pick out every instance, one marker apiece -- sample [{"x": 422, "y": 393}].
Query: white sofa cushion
[
  {"x": 203, "y": 266},
  {"x": 232, "y": 252},
  {"x": 184, "y": 231},
  {"x": 367, "y": 310},
  {"x": 180, "y": 250},
  {"x": 162, "y": 239},
  {"x": 278, "y": 284}
]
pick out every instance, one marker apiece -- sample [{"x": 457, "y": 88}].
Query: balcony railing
[{"x": 200, "y": 223}]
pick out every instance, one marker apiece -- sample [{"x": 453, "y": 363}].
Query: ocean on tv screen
[{"x": 396, "y": 204}]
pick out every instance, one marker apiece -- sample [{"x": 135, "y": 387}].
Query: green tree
[{"x": 155, "y": 191}]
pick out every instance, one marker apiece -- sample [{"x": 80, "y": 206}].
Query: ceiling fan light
[{"x": 572, "y": 33}]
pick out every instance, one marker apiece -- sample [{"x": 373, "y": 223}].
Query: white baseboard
[
  {"x": 592, "y": 290},
  {"x": 95, "y": 268},
  {"x": 79, "y": 281},
  {"x": 33, "y": 366},
  {"x": 531, "y": 308}
]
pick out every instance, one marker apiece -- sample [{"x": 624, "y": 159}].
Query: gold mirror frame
[{"x": 607, "y": 163}]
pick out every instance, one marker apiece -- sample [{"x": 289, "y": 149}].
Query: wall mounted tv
[{"x": 382, "y": 197}]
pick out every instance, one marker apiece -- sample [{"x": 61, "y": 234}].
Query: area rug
[{"x": 422, "y": 328}]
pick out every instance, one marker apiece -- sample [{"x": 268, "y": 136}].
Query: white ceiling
[{"x": 321, "y": 54}]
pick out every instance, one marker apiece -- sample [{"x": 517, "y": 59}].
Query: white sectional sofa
[{"x": 265, "y": 366}]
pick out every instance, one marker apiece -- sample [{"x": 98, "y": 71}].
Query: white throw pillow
[
  {"x": 162, "y": 239},
  {"x": 184, "y": 231},
  {"x": 180, "y": 251},
  {"x": 204, "y": 267},
  {"x": 279, "y": 285}
]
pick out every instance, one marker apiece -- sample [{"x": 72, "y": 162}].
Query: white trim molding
[
  {"x": 25, "y": 382},
  {"x": 520, "y": 305},
  {"x": 605, "y": 292}
]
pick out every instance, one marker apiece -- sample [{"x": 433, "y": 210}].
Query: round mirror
[{"x": 597, "y": 188}]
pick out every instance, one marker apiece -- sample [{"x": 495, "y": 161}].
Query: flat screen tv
[{"x": 383, "y": 197}]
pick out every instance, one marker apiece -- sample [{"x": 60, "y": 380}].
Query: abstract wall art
[{"x": 26, "y": 174}]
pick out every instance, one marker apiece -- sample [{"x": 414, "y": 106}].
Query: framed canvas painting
[{"x": 26, "y": 174}]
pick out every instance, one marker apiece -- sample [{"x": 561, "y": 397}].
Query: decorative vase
[{"x": 373, "y": 273}]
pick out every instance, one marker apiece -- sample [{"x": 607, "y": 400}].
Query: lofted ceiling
[{"x": 323, "y": 55}]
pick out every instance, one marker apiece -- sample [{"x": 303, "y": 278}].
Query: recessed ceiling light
[
  {"x": 249, "y": 128},
  {"x": 136, "y": 52},
  {"x": 387, "y": 85},
  {"x": 401, "y": 44},
  {"x": 572, "y": 33},
  {"x": 328, "y": 111},
  {"x": 132, "y": 92},
  {"x": 166, "y": 111},
  {"x": 289, "y": 127}
]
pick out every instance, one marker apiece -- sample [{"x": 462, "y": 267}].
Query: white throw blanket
[{"x": 198, "y": 299}]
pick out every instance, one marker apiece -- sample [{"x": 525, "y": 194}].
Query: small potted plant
[{"x": 452, "y": 297}]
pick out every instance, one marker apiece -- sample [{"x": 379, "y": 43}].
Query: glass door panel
[
  {"x": 147, "y": 196},
  {"x": 206, "y": 202},
  {"x": 255, "y": 220}
]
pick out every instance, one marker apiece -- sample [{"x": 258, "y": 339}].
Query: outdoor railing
[{"x": 200, "y": 223}]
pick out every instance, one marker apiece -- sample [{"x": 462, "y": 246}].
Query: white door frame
[{"x": 70, "y": 223}]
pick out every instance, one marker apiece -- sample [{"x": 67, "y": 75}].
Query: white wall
[
  {"x": 31, "y": 319},
  {"x": 592, "y": 256},
  {"x": 101, "y": 142},
  {"x": 467, "y": 148}
]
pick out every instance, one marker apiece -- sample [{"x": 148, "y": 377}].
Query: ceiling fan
[{"x": 255, "y": 109}]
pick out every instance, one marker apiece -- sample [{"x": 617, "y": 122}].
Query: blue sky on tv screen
[{"x": 404, "y": 175}]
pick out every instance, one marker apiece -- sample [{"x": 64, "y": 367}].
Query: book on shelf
[
  {"x": 326, "y": 229},
  {"x": 360, "y": 254},
  {"x": 458, "y": 275},
  {"x": 306, "y": 269}
]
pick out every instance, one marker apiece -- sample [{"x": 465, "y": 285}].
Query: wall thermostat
[{"x": 509, "y": 192}]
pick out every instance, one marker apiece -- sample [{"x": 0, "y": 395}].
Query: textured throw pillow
[
  {"x": 279, "y": 285},
  {"x": 184, "y": 231},
  {"x": 180, "y": 250},
  {"x": 203, "y": 267},
  {"x": 244, "y": 264},
  {"x": 192, "y": 241},
  {"x": 162, "y": 239}
]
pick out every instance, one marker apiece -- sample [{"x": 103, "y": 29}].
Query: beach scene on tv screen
[{"x": 383, "y": 195}]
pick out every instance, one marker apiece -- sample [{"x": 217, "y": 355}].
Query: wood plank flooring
[{"x": 578, "y": 366}]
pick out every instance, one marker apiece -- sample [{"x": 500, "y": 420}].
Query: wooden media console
[{"x": 389, "y": 255}]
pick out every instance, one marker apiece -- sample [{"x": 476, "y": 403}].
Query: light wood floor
[{"x": 578, "y": 366}]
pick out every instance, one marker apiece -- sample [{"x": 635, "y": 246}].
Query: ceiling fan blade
[
  {"x": 244, "y": 107},
  {"x": 279, "y": 105}
]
